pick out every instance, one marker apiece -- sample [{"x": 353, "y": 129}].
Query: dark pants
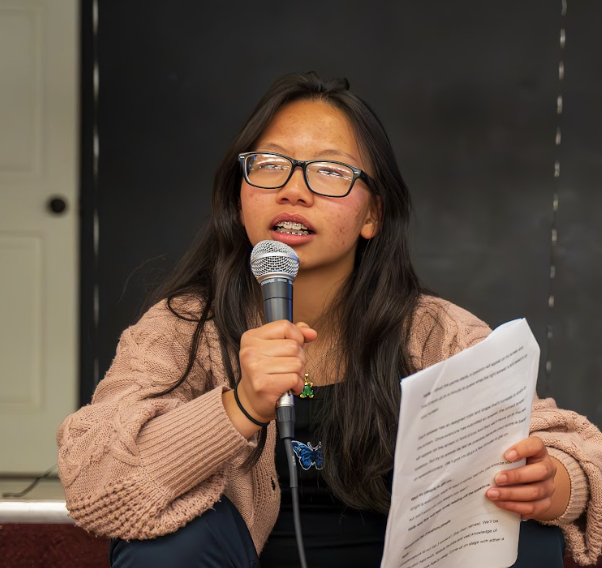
[
  {"x": 539, "y": 546},
  {"x": 219, "y": 538}
]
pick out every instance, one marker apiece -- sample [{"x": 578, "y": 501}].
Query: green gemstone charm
[{"x": 307, "y": 391}]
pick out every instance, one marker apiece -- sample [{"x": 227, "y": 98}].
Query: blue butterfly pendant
[{"x": 308, "y": 455}]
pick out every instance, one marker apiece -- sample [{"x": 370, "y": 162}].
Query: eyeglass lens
[{"x": 270, "y": 172}]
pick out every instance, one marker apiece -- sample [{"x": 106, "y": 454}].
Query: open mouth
[{"x": 292, "y": 228}]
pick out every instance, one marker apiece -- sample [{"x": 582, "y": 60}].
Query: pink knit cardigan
[{"x": 136, "y": 467}]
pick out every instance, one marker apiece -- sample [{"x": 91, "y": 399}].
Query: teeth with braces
[
  {"x": 292, "y": 228},
  {"x": 292, "y": 225}
]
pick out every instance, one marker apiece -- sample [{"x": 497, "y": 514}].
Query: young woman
[{"x": 176, "y": 459}]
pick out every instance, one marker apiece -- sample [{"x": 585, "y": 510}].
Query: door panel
[{"x": 38, "y": 248}]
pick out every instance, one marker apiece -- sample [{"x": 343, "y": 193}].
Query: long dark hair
[{"x": 373, "y": 309}]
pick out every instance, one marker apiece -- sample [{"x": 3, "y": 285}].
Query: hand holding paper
[{"x": 527, "y": 490}]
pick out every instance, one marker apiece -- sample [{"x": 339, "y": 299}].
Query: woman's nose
[{"x": 295, "y": 191}]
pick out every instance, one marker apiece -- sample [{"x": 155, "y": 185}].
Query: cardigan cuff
[
  {"x": 184, "y": 446},
  {"x": 579, "y": 488}
]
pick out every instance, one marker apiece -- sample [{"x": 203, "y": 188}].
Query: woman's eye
[
  {"x": 331, "y": 172},
  {"x": 269, "y": 166}
]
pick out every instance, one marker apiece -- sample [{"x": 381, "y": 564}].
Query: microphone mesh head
[{"x": 273, "y": 258}]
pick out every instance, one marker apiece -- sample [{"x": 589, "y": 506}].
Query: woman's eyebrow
[
  {"x": 338, "y": 153},
  {"x": 329, "y": 152},
  {"x": 273, "y": 147}
]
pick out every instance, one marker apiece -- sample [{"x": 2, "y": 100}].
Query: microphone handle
[
  {"x": 277, "y": 298},
  {"x": 277, "y": 294}
]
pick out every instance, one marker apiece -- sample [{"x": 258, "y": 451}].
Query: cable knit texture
[{"x": 137, "y": 466}]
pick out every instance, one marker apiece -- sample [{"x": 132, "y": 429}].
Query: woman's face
[{"x": 310, "y": 130}]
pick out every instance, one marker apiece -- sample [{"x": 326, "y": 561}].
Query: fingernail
[
  {"x": 511, "y": 455},
  {"x": 501, "y": 478},
  {"x": 493, "y": 493}
]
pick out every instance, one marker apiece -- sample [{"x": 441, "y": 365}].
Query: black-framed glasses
[{"x": 269, "y": 170}]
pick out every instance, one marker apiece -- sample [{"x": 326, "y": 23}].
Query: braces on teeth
[{"x": 291, "y": 228}]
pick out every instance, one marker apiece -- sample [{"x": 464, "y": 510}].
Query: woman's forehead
[{"x": 311, "y": 129}]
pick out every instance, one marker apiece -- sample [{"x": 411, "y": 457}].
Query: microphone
[{"x": 275, "y": 266}]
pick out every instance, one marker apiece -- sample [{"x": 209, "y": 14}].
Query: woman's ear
[{"x": 372, "y": 222}]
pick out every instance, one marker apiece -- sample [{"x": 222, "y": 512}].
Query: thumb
[{"x": 309, "y": 333}]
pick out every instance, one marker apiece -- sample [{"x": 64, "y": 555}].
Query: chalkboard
[{"x": 469, "y": 94}]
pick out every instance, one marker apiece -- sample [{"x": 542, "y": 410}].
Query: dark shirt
[{"x": 333, "y": 533}]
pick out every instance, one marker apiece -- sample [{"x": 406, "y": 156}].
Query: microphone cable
[{"x": 286, "y": 424}]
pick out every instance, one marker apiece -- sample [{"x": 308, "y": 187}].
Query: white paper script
[{"x": 457, "y": 419}]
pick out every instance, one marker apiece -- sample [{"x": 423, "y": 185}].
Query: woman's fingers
[
  {"x": 531, "y": 473},
  {"x": 528, "y": 489},
  {"x": 531, "y": 447},
  {"x": 274, "y": 340},
  {"x": 526, "y": 509},
  {"x": 308, "y": 333},
  {"x": 527, "y": 492},
  {"x": 539, "y": 466},
  {"x": 531, "y": 501},
  {"x": 267, "y": 372},
  {"x": 281, "y": 329},
  {"x": 254, "y": 349}
]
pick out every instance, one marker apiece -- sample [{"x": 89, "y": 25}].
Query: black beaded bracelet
[{"x": 262, "y": 424}]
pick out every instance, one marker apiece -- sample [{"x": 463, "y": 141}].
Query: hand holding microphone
[
  {"x": 272, "y": 361},
  {"x": 271, "y": 357}
]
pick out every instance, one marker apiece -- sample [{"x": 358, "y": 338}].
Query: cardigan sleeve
[
  {"x": 126, "y": 458},
  {"x": 577, "y": 444}
]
